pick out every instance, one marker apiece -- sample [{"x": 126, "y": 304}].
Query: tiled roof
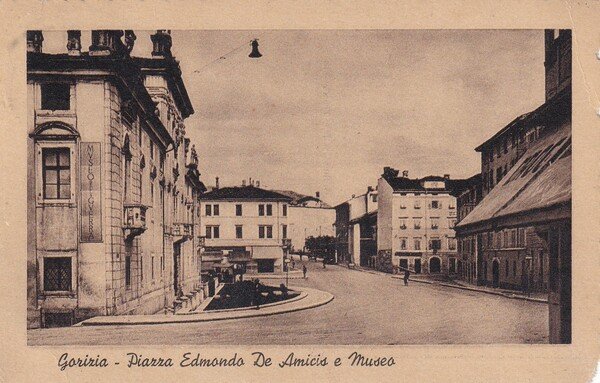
[
  {"x": 540, "y": 179},
  {"x": 242, "y": 193},
  {"x": 400, "y": 184}
]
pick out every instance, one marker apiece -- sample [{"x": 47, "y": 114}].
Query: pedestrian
[
  {"x": 406, "y": 275},
  {"x": 257, "y": 293},
  {"x": 293, "y": 264},
  {"x": 304, "y": 270},
  {"x": 323, "y": 262}
]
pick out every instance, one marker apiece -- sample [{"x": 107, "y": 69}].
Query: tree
[{"x": 323, "y": 246}]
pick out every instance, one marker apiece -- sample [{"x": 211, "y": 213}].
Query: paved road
[{"x": 367, "y": 309}]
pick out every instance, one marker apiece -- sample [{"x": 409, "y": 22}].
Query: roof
[
  {"x": 367, "y": 216},
  {"x": 298, "y": 198},
  {"x": 541, "y": 179},
  {"x": 244, "y": 193},
  {"x": 512, "y": 125},
  {"x": 404, "y": 184}
]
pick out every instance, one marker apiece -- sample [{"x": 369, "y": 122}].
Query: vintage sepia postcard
[{"x": 304, "y": 201}]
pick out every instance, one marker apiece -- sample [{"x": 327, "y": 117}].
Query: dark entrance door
[
  {"x": 417, "y": 266},
  {"x": 176, "y": 266},
  {"x": 434, "y": 265},
  {"x": 495, "y": 273}
]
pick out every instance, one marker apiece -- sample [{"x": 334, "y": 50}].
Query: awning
[
  {"x": 267, "y": 252},
  {"x": 539, "y": 182}
]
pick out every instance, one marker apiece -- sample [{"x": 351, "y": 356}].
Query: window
[
  {"x": 452, "y": 204},
  {"x": 239, "y": 231},
  {"x": 151, "y": 149},
  {"x": 435, "y": 204},
  {"x": 152, "y": 267},
  {"x": 451, "y": 223},
  {"x": 417, "y": 204},
  {"x": 269, "y": 209},
  {"x": 128, "y": 270},
  {"x": 506, "y": 266},
  {"x": 403, "y": 242},
  {"x": 238, "y": 210},
  {"x": 435, "y": 244},
  {"x": 374, "y": 197},
  {"x": 514, "y": 268},
  {"x": 417, "y": 223},
  {"x": 417, "y": 243},
  {"x": 435, "y": 223},
  {"x": 284, "y": 231},
  {"x": 215, "y": 209},
  {"x": 212, "y": 231},
  {"x": 402, "y": 223},
  {"x": 402, "y": 204},
  {"x": 56, "y": 96},
  {"x": 208, "y": 210},
  {"x": 57, "y": 274},
  {"x": 452, "y": 265},
  {"x": 261, "y": 209},
  {"x": 141, "y": 267},
  {"x": 498, "y": 174},
  {"x": 451, "y": 243},
  {"x": 265, "y": 231},
  {"x": 284, "y": 210},
  {"x": 56, "y": 173}
]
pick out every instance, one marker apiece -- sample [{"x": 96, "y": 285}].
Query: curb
[
  {"x": 510, "y": 296},
  {"x": 460, "y": 287},
  {"x": 203, "y": 317},
  {"x": 300, "y": 296}
]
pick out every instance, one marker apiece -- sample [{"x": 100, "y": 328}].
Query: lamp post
[{"x": 287, "y": 270}]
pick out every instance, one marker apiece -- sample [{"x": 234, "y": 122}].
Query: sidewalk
[
  {"x": 455, "y": 284},
  {"x": 308, "y": 298}
]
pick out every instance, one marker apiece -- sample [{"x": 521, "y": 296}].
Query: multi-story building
[
  {"x": 520, "y": 233},
  {"x": 415, "y": 223},
  {"x": 466, "y": 268},
  {"x": 348, "y": 220},
  {"x": 247, "y": 224},
  {"x": 101, "y": 185},
  {"x": 308, "y": 216}
]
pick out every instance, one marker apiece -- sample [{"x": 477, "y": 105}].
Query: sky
[{"x": 326, "y": 110}]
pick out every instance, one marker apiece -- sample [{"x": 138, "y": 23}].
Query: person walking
[
  {"x": 304, "y": 270},
  {"x": 406, "y": 275},
  {"x": 323, "y": 262}
]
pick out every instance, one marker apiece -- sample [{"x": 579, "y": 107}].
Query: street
[{"x": 367, "y": 309}]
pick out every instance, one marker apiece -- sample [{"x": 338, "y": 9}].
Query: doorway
[
  {"x": 176, "y": 267},
  {"x": 418, "y": 266},
  {"x": 495, "y": 273},
  {"x": 435, "y": 265}
]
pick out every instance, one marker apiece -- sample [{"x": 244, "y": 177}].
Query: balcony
[
  {"x": 182, "y": 231},
  {"x": 134, "y": 219}
]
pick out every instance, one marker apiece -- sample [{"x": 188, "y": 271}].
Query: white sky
[{"x": 326, "y": 110}]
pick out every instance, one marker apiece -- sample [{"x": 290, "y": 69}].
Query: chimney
[
  {"x": 161, "y": 43},
  {"x": 447, "y": 176},
  {"x": 216, "y": 182},
  {"x": 318, "y": 194},
  {"x": 250, "y": 181},
  {"x": 405, "y": 173},
  {"x": 74, "y": 42},
  {"x": 34, "y": 41},
  {"x": 244, "y": 182}
]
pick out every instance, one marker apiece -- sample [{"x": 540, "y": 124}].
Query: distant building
[
  {"x": 112, "y": 180},
  {"x": 308, "y": 216},
  {"x": 348, "y": 220},
  {"x": 247, "y": 224},
  {"x": 520, "y": 233},
  {"x": 415, "y": 223}
]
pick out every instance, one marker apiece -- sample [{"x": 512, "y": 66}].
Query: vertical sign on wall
[{"x": 91, "y": 203}]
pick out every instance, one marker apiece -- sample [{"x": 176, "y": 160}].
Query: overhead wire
[{"x": 223, "y": 57}]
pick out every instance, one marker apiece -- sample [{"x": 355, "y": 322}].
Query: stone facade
[{"x": 103, "y": 201}]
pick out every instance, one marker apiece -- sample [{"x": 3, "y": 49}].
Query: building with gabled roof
[{"x": 247, "y": 224}]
